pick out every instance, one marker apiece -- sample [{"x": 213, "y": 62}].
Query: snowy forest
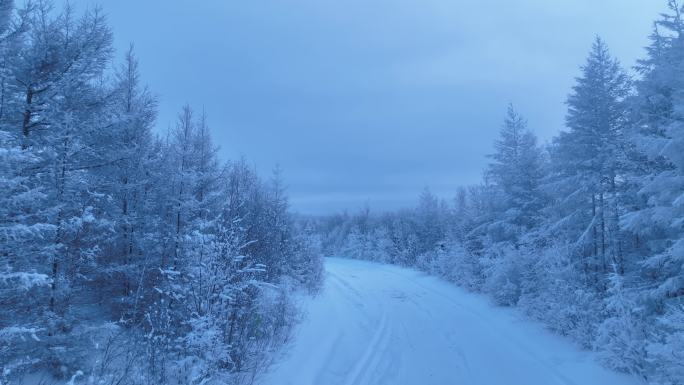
[
  {"x": 126, "y": 256},
  {"x": 134, "y": 255},
  {"x": 585, "y": 233}
]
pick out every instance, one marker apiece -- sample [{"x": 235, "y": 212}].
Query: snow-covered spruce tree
[
  {"x": 460, "y": 220},
  {"x": 515, "y": 173},
  {"x": 656, "y": 221},
  {"x": 306, "y": 249},
  {"x": 430, "y": 227},
  {"x": 405, "y": 243},
  {"x": 586, "y": 185},
  {"x": 356, "y": 244},
  {"x": 588, "y": 162},
  {"x": 482, "y": 201},
  {"x": 430, "y": 220}
]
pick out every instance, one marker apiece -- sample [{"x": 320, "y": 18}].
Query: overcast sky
[{"x": 370, "y": 100}]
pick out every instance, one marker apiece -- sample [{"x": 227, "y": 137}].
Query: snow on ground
[{"x": 380, "y": 324}]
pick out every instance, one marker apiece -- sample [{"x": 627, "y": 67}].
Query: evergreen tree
[
  {"x": 658, "y": 222},
  {"x": 516, "y": 171},
  {"x": 588, "y": 163}
]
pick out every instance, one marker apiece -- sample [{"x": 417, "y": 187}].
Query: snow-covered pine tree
[
  {"x": 660, "y": 222},
  {"x": 656, "y": 219},
  {"x": 588, "y": 162},
  {"x": 515, "y": 175},
  {"x": 516, "y": 171},
  {"x": 430, "y": 221}
]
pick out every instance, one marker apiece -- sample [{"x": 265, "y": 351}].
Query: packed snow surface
[{"x": 380, "y": 324}]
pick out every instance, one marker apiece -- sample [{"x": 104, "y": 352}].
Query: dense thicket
[
  {"x": 586, "y": 233},
  {"x": 127, "y": 257}
]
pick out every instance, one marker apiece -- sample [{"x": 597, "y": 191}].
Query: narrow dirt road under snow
[{"x": 379, "y": 324}]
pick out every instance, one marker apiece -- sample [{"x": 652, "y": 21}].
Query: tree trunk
[{"x": 28, "y": 115}]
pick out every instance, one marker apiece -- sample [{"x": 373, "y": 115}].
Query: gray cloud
[{"x": 370, "y": 100}]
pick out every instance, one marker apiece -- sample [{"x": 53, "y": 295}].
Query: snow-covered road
[{"x": 379, "y": 324}]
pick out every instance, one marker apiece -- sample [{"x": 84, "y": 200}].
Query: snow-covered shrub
[
  {"x": 621, "y": 335},
  {"x": 501, "y": 266},
  {"x": 427, "y": 261},
  {"x": 666, "y": 349},
  {"x": 552, "y": 292}
]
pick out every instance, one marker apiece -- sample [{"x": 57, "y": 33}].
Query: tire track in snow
[
  {"x": 513, "y": 342},
  {"x": 359, "y": 374},
  {"x": 383, "y": 325},
  {"x": 375, "y": 358}
]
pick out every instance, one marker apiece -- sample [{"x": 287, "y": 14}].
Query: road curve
[{"x": 384, "y": 325}]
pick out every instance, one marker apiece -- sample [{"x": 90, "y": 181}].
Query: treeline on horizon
[
  {"x": 585, "y": 234},
  {"x": 128, "y": 257}
]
